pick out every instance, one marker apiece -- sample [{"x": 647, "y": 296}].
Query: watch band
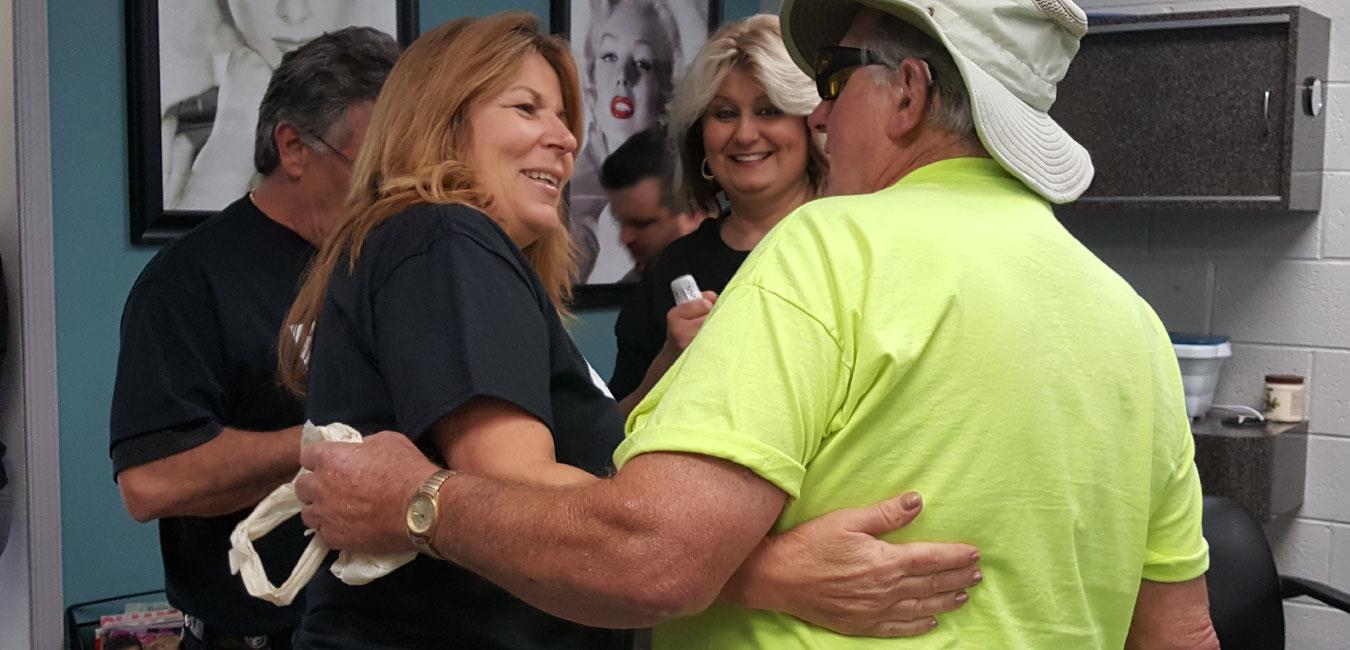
[{"x": 431, "y": 489}]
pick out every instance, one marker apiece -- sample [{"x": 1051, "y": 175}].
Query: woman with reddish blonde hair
[
  {"x": 416, "y": 148},
  {"x": 436, "y": 309}
]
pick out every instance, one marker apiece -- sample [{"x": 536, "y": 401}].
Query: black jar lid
[{"x": 1285, "y": 379}]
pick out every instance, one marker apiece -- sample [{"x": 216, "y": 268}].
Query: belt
[{"x": 198, "y": 629}]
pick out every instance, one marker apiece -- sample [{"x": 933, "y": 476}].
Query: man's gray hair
[
  {"x": 316, "y": 84},
  {"x": 892, "y": 40}
]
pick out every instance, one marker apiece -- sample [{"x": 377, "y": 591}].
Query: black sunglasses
[{"x": 834, "y": 65}]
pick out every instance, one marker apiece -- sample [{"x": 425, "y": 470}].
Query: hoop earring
[{"x": 705, "y": 171}]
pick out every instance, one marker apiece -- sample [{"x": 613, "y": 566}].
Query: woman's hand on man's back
[{"x": 834, "y": 572}]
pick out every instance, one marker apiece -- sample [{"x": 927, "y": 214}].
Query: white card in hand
[{"x": 685, "y": 289}]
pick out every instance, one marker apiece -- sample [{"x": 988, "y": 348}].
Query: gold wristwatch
[{"x": 422, "y": 512}]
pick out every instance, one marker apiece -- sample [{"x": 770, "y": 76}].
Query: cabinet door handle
[{"x": 1265, "y": 112}]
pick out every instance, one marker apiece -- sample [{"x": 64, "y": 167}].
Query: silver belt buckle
[{"x": 195, "y": 627}]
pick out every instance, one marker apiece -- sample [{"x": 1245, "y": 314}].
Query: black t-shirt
[
  {"x": 441, "y": 308},
  {"x": 198, "y": 353},
  {"x": 641, "y": 327}
]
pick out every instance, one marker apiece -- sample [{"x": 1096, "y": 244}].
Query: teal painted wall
[
  {"x": 435, "y": 12},
  {"x": 104, "y": 551}
]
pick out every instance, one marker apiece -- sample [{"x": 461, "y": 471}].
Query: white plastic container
[{"x": 1201, "y": 361}]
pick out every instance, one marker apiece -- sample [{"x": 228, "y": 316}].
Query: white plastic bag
[{"x": 282, "y": 504}]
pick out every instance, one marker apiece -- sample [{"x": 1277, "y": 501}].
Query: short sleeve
[
  {"x": 457, "y": 321},
  {"x": 758, "y": 387},
  {"x": 1176, "y": 549},
  {"x": 1176, "y": 545},
  {"x": 169, "y": 393}
]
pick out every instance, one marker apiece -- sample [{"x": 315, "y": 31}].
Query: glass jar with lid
[{"x": 1286, "y": 398}]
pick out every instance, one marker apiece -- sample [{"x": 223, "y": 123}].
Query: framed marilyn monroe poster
[
  {"x": 630, "y": 54},
  {"x": 196, "y": 72}
]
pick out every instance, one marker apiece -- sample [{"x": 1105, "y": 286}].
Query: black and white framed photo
[
  {"x": 196, "y": 72},
  {"x": 630, "y": 54}
]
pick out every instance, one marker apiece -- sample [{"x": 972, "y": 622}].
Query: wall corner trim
[{"x": 37, "y": 317}]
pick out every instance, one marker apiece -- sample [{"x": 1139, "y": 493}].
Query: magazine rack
[{"x": 82, "y": 618}]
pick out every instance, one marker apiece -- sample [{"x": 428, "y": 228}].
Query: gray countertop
[{"x": 1262, "y": 468}]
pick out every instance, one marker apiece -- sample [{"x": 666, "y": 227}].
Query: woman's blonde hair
[
  {"x": 416, "y": 149},
  {"x": 755, "y": 44}
]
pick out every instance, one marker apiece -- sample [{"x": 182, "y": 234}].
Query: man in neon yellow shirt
[{"x": 929, "y": 325}]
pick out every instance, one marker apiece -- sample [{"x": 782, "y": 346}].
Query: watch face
[{"x": 421, "y": 514}]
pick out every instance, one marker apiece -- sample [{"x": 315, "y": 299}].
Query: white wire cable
[{"x": 1238, "y": 408}]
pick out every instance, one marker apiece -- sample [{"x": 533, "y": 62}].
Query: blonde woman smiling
[{"x": 738, "y": 123}]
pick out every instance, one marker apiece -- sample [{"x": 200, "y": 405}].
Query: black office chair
[{"x": 1246, "y": 594}]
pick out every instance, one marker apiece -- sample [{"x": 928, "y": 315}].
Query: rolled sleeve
[
  {"x": 1176, "y": 549},
  {"x": 765, "y": 460}
]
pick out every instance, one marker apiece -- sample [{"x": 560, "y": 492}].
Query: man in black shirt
[{"x": 200, "y": 429}]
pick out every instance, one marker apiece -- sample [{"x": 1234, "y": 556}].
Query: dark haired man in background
[{"x": 639, "y": 177}]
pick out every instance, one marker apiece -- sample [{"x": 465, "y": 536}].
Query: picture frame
[
  {"x": 657, "y": 40},
  {"x": 182, "y": 56}
]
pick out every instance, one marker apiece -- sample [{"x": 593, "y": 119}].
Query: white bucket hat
[{"x": 1011, "y": 54}]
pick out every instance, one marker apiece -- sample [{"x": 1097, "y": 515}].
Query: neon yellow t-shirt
[{"x": 947, "y": 335}]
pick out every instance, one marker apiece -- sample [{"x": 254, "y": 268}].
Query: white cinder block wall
[{"x": 1280, "y": 287}]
